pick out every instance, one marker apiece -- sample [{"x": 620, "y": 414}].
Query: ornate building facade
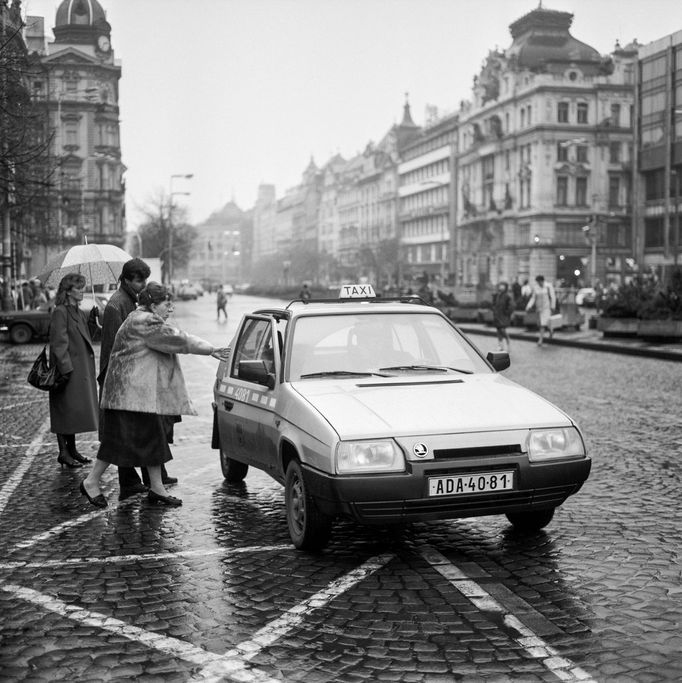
[
  {"x": 545, "y": 159},
  {"x": 80, "y": 87},
  {"x": 427, "y": 213},
  {"x": 659, "y": 149}
]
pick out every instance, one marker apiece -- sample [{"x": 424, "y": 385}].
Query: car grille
[
  {"x": 476, "y": 452},
  {"x": 464, "y": 506}
]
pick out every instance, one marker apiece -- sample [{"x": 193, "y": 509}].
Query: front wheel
[
  {"x": 233, "y": 470},
  {"x": 528, "y": 522},
  {"x": 309, "y": 529},
  {"x": 20, "y": 334}
]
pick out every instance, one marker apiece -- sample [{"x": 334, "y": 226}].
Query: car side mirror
[
  {"x": 499, "y": 360},
  {"x": 256, "y": 371}
]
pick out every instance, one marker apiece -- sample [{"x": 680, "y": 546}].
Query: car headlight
[
  {"x": 547, "y": 444},
  {"x": 360, "y": 457}
]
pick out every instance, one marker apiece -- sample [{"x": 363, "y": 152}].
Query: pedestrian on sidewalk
[
  {"x": 74, "y": 406},
  {"x": 221, "y": 302},
  {"x": 503, "y": 307},
  {"x": 544, "y": 300},
  {"x": 143, "y": 386},
  {"x": 122, "y": 302}
]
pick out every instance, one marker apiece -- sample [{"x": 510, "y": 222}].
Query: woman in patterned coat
[
  {"x": 144, "y": 383},
  {"x": 73, "y": 406}
]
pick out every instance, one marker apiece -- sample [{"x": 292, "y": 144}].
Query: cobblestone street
[{"x": 214, "y": 590}]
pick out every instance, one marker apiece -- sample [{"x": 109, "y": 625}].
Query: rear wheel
[
  {"x": 309, "y": 529},
  {"x": 233, "y": 470},
  {"x": 21, "y": 333},
  {"x": 531, "y": 521}
]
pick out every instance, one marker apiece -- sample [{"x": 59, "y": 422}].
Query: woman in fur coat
[{"x": 144, "y": 383}]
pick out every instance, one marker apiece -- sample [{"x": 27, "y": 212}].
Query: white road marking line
[
  {"x": 13, "y": 406},
  {"x": 535, "y": 646},
  {"x": 171, "y": 646},
  {"x": 234, "y": 662},
  {"x": 115, "y": 559},
  {"x": 247, "y": 649},
  {"x": 18, "y": 474}
]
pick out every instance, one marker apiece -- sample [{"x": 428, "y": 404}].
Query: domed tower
[
  {"x": 83, "y": 87},
  {"x": 82, "y": 22}
]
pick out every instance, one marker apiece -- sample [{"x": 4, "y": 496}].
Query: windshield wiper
[
  {"x": 342, "y": 373},
  {"x": 425, "y": 368}
]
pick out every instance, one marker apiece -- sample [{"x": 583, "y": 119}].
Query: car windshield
[{"x": 389, "y": 344}]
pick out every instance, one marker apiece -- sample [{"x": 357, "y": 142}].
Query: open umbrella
[{"x": 100, "y": 264}]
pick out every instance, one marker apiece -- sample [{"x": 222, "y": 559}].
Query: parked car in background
[
  {"x": 24, "y": 326},
  {"x": 586, "y": 296},
  {"x": 186, "y": 292}
]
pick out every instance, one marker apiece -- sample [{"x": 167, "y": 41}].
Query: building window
[
  {"x": 561, "y": 151},
  {"x": 562, "y": 112},
  {"x": 523, "y": 118},
  {"x": 582, "y": 112},
  {"x": 653, "y": 232},
  {"x": 71, "y": 134},
  {"x": 581, "y": 154},
  {"x": 562, "y": 190},
  {"x": 615, "y": 115},
  {"x": 614, "y": 153},
  {"x": 581, "y": 191},
  {"x": 614, "y": 191}
]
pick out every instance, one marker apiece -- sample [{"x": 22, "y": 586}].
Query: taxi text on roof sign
[{"x": 357, "y": 292}]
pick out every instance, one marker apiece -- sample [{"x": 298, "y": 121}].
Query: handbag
[{"x": 44, "y": 377}]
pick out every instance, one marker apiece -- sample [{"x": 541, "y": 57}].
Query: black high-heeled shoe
[
  {"x": 98, "y": 501},
  {"x": 71, "y": 448},
  {"x": 154, "y": 497},
  {"x": 66, "y": 459},
  {"x": 80, "y": 458}
]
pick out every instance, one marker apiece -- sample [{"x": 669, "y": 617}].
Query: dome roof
[
  {"x": 80, "y": 21},
  {"x": 80, "y": 12},
  {"x": 542, "y": 38}
]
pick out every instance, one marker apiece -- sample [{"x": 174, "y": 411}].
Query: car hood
[{"x": 374, "y": 407}]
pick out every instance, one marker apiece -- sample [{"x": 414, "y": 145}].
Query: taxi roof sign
[{"x": 358, "y": 291}]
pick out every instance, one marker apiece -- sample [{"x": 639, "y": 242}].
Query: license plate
[{"x": 484, "y": 482}]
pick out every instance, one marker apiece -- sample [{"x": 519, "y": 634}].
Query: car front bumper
[{"x": 403, "y": 497}]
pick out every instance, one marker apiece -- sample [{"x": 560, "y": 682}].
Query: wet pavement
[{"x": 215, "y": 591}]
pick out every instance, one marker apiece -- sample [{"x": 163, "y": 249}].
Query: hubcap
[{"x": 297, "y": 506}]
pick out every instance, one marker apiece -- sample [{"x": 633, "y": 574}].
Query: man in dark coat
[{"x": 123, "y": 302}]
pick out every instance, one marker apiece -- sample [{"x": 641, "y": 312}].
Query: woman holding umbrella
[{"x": 74, "y": 406}]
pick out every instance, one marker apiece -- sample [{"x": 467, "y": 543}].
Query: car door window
[{"x": 255, "y": 343}]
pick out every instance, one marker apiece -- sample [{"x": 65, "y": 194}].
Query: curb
[{"x": 610, "y": 347}]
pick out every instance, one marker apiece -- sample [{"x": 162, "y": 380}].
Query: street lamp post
[
  {"x": 676, "y": 236},
  {"x": 187, "y": 176}
]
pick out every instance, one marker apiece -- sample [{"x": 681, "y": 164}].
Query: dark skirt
[{"x": 131, "y": 439}]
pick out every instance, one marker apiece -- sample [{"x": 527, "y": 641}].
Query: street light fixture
[{"x": 187, "y": 176}]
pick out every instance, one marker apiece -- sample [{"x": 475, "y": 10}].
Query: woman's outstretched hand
[{"x": 221, "y": 353}]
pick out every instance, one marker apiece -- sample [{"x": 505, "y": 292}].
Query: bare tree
[{"x": 160, "y": 220}]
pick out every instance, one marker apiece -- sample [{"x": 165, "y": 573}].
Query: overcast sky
[{"x": 240, "y": 92}]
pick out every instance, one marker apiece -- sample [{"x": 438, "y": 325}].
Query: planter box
[
  {"x": 458, "y": 314},
  {"x": 657, "y": 329},
  {"x": 485, "y": 315},
  {"x": 618, "y": 327}
]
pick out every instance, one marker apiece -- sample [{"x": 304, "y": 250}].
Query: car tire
[
  {"x": 528, "y": 522},
  {"x": 20, "y": 333},
  {"x": 233, "y": 470},
  {"x": 309, "y": 529}
]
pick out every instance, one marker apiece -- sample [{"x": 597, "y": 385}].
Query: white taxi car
[{"x": 382, "y": 411}]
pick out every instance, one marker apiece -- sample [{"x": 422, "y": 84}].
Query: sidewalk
[{"x": 588, "y": 339}]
